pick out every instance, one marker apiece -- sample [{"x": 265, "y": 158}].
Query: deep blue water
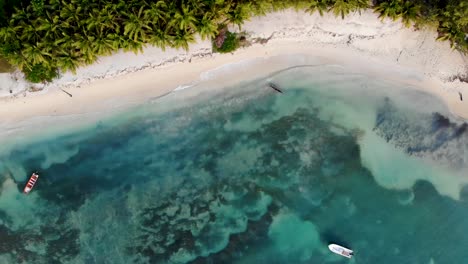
[{"x": 247, "y": 175}]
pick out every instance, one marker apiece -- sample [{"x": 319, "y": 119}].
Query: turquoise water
[{"x": 247, "y": 175}]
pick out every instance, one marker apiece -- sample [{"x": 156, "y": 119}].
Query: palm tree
[
  {"x": 280, "y": 5},
  {"x": 136, "y": 25},
  {"x": 68, "y": 62},
  {"x": 109, "y": 19},
  {"x": 409, "y": 13},
  {"x": 49, "y": 28},
  {"x": 184, "y": 19},
  {"x": 8, "y": 34},
  {"x": 218, "y": 8},
  {"x": 84, "y": 45},
  {"x": 34, "y": 54},
  {"x": 94, "y": 22},
  {"x": 391, "y": 9},
  {"x": 27, "y": 32},
  {"x": 159, "y": 38},
  {"x": 71, "y": 13},
  {"x": 260, "y": 8},
  {"x": 394, "y": 9},
  {"x": 452, "y": 34},
  {"x": 207, "y": 27},
  {"x": 20, "y": 15},
  {"x": 17, "y": 60},
  {"x": 341, "y": 7},
  {"x": 317, "y": 5},
  {"x": 456, "y": 14},
  {"x": 40, "y": 72},
  {"x": 118, "y": 41},
  {"x": 238, "y": 14},
  {"x": 11, "y": 47},
  {"x": 344, "y": 7},
  {"x": 182, "y": 39},
  {"x": 64, "y": 42},
  {"x": 133, "y": 45},
  {"x": 103, "y": 45},
  {"x": 157, "y": 12}
]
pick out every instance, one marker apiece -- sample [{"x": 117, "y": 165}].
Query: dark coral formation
[
  {"x": 60, "y": 242},
  {"x": 194, "y": 220},
  {"x": 424, "y": 135}
]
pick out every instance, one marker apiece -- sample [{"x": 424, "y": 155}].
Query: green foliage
[
  {"x": 8, "y": 7},
  {"x": 454, "y": 25},
  {"x": 38, "y": 6},
  {"x": 317, "y": 5},
  {"x": 40, "y": 73},
  {"x": 344, "y": 7},
  {"x": 409, "y": 12},
  {"x": 449, "y": 17},
  {"x": 4, "y": 66},
  {"x": 231, "y": 43},
  {"x": 66, "y": 34}
]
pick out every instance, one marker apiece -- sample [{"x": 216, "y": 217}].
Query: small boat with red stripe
[{"x": 32, "y": 181}]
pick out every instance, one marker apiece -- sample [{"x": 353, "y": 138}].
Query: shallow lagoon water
[{"x": 247, "y": 175}]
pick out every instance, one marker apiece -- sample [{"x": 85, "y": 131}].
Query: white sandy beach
[{"x": 383, "y": 49}]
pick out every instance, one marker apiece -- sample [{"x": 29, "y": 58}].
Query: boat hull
[
  {"x": 340, "y": 250},
  {"x": 31, "y": 182}
]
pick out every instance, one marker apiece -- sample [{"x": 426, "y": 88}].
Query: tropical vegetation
[
  {"x": 5, "y": 66},
  {"x": 226, "y": 42},
  {"x": 45, "y": 37}
]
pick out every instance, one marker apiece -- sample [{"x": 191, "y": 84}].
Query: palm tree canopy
[{"x": 46, "y": 35}]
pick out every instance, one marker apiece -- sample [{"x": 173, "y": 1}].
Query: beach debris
[
  {"x": 399, "y": 55},
  {"x": 263, "y": 41},
  {"x": 275, "y": 87},
  {"x": 350, "y": 39},
  {"x": 69, "y": 94},
  {"x": 461, "y": 96},
  {"x": 34, "y": 89}
]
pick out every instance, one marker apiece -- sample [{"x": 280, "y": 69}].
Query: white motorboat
[{"x": 340, "y": 250}]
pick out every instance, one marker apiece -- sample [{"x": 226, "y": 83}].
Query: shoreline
[{"x": 362, "y": 42}]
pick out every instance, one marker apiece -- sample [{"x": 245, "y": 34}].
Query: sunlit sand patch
[
  {"x": 394, "y": 169},
  {"x": 306, "y": 237}
]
